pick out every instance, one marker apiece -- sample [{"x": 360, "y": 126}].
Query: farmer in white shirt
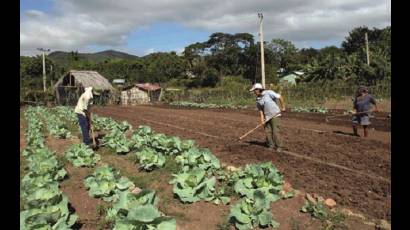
[
  {"x": 83, "y": 113},
  {"x": 267, "y": 104}
]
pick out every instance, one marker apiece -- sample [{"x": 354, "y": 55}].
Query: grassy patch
[
  {"x": 61, "y": 158},
  {"x": 335, "y": 221},
  {"x": 104, "y": 151}
]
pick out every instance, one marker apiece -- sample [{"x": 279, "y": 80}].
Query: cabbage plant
[
  {"x": 54, "y": 217},
  {"x": 42, "y": 162},
  {"x": 144, "y": 217},
  {"x": 149, "y": 159},
  {"x": 117, "y": 141},
  {"x": 126, "y": 200},
  {"x": 264, "y": 177},
  {"x": 193, "y": 186},
  {"x": 198, "y": 158},
  {"x": 106, "y": 183},
  {"x": 82, "y": 155},
  {"x": 252, "y": 212}
]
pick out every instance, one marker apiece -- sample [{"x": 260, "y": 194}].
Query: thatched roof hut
[{"x": 70, "y": 86}]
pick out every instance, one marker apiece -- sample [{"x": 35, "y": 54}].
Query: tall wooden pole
[
  {"x": 367, "y": 48},
  {"x": 44, "y": 67},
  {"x": 44, "y": 73},
  {"x": 260, "y": 15}
]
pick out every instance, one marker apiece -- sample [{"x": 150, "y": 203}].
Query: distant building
[
  {"x": 291, "y": 78},
  {"x": 144, "y": 93},
  {"x": 119, "y": 82}
]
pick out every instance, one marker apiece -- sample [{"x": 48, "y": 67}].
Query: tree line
[{"x": 204, "y": 64}]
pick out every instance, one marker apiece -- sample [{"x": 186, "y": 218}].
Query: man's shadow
[
  {"x": 255, "y": 142},
  {"x": 344, "y": 133}
]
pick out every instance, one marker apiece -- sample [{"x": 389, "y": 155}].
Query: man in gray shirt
[
  {"x": 362, "y": 105},
  {"x": 267, "y": 104}
]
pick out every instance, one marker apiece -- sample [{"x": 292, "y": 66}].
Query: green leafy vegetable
[
  {"x": 263, "y": 177},
  {"x": 193, "y": 186},
  {"x": 106, "y": 183},
  {"x": 198, "y": 158},
  {"x": 252, "y": 212},
  {"x": 82, "y": 155},
  {"x": 317, "y": 210},
  {"x": 56, "y": 216},
  {"x": 149, "y": 159},
  {"x": 117, "y": 141}
]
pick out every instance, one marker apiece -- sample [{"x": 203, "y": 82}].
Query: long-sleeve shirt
[{"x": 84, "y": 102}]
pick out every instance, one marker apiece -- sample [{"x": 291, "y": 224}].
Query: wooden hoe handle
[
  {"x": 92, "y": 134},
  {"x": 250, "y": 131}
]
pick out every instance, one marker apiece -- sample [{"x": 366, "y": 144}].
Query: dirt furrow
[
  {"x": 323, "y": 146},
  {"x": 357, "y": 191}
]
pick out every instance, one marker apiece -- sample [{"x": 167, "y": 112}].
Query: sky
[{"x": 141, "y": 27}]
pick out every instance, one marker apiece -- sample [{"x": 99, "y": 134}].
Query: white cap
[{"x": 256, "y": 86}]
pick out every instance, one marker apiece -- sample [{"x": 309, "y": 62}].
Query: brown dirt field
[{"x": 353, "y": 171}]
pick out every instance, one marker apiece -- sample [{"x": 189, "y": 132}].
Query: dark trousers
[
  {"x": 84, "y": 125},
  {"x": 272, "y": 133}
]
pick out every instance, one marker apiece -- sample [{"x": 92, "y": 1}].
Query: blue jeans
[{"x": 83, "y": 121}]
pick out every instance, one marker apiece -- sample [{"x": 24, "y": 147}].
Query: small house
[
  {"x": 291, "y": 78},
  {"x": 71, "y": 85},
  {"x": 137, "y": 94}
]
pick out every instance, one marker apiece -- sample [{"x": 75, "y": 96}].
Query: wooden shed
[
  {"x": 70, "y": 86},
  {"x": 137, "y": 94}
]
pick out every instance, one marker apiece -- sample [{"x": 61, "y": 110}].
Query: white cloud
[
  {"x": 34, "y": 14},
  {"x": 149, "y": 51},
  {"x": 77, "y": 24}
]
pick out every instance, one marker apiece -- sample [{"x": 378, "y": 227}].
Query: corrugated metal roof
[
  {"x": 145, "y": 86},
  {"x": 118, "y": 81},
  {"x": 148, "y": 86},
  {"x": 88, "y": 79}
]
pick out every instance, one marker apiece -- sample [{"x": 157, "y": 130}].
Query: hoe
[{"x": 251, "y": 131}]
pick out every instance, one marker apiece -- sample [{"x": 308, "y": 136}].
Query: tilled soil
[
  {"x": 353, "y": 171},
  {"x": 85, "y": 206}
]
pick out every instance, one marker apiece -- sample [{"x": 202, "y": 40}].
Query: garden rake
[{"x": 342, "y": 115}]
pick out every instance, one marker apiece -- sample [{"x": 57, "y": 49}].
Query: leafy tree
[{"x": 285, "y": 54}]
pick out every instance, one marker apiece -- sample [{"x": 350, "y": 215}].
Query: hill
[{"x": 61, "y": 57}]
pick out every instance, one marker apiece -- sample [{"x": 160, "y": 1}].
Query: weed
[
  {"x": 294, "y": 224},
  {"x": 226, "y": 224},
  {"x": 102, "y": 209},
  {"x": 335, "y": 221}
]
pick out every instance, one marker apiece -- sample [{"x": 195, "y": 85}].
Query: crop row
[
  {"x": 131, "y": 207},
  {"x": 200, "y": 175},
  {"x": 45, "y": 206}
]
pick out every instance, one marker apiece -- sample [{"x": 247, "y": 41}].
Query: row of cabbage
[
  {"x": 200, "y": 175},
  {"x": 130, "y": 208},
  {"x": 304, "y": 109},
  {"x": 205, "y": 105},
  {"x": 45, "y": 206}
]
